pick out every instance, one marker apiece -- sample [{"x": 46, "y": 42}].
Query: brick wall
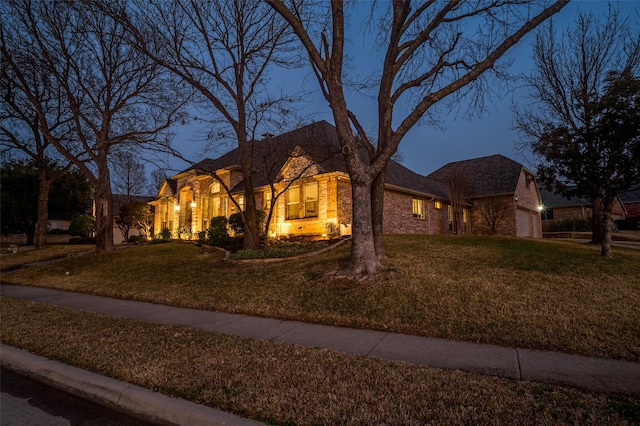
[
  {"x": 398, "y": 215},
  {"x": 481, "y": 206}
]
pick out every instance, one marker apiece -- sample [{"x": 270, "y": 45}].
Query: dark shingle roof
[
  {"x": 492, "y": 175},
  {"x": 319, "y": 141},
  {"x": 631, "y": 196},
  {"x": 398, "y": 175},
  {"x": 552, "y": 200}
]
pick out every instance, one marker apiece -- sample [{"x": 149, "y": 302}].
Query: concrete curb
[{"x": 115, "y": 394}]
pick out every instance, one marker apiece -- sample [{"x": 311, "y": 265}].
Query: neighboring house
[
  {"x": 305, "y": 173},
  {"x": 120, "y": 200},
  {"x": 504, "y": 195},
  {"x": 558, "y": 207},
  {"x": 631, "y": 202}
]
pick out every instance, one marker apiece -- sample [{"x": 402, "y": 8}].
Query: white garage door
[{"x": 523, "y": 223}]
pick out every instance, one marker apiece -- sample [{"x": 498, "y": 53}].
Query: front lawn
[
  {"x": 533, "y": 294},
  {"x": 284, "y": 384},
  {"x": 28, "y": 254}
]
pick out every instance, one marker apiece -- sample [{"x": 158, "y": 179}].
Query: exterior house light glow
[
  {"x": 193, "y": 204},
  {"x": 540, "y": 207},
  {"x": 177, "y": 207}
]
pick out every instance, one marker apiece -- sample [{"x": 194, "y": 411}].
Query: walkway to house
[{"x": 594, "y": 374}]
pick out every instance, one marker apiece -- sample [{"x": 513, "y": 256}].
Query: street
[{"x": 27, "y": 402}]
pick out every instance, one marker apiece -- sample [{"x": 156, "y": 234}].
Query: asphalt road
[{"x": 27, "y": 402}]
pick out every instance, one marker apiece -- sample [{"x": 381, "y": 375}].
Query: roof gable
[{"x": 492, "y": 175}]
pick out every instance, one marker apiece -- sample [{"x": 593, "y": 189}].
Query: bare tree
[
  {"x": 583, "y": 81},
  {"x": 157, "y": 178},
  {"x": 429, "y": 52},
  {"x": 129, "y": 174},
  {"x": 20, "y": 131},
  {"x": 224, "y": 50},
  {"x": 493, "y": 210},
  {"x": 459, "y": 190},
  {"x": 111, "y": 93}
]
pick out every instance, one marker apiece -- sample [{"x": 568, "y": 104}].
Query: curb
[{"x": 115, "y": 394}]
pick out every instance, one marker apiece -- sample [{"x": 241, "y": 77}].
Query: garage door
[{"x": 523, "y": 223}]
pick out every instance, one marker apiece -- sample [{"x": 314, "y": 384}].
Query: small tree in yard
[
  {"x": 493, "y": 210},
  {"x": 134, "y": 215},
  {"x": 459, "y": 190},
  {"x": 83, "y": 226}
]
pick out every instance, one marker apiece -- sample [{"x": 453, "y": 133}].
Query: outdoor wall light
[
  {"x": 540, "y": 208},
  {"x": 177, "y": 207},
  {"x": 193, "y": 204}
]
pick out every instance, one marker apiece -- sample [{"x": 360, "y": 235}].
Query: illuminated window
[
  {"x": 293, "y": 202},
  {"x": 267, "y": 200},
  {"x": 465, "y": 214},
  {"x": 417, "y": 208},
  {"x": 241, "y": 202},
  {"x": 311, "y": 199},
  {"x": 215, "y": 187},
  {"x": 438, "y": 205}
]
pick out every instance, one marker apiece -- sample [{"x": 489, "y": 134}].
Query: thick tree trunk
[
  {"x": 251, "y": 232},
  {"x": 597, "y": 230},
  {"x": 43, "y": 211},
  {"x": 104, "y": 205},
  {"x": 377, "y": 212},
  {"x": 364, "y": 261},
  {"x": 607, "y": 227}
]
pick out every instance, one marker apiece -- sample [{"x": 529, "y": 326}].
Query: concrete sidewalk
[{"x": 594, "y": 374}]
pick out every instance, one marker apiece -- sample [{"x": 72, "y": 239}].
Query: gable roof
[
  {"x": 631, "y": 196},
  {"x": 552, "y": 200},
  {"x": 318, "y": 142},
  {"x": 492, "y": 175}
]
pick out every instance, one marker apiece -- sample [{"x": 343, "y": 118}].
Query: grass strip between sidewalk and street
[
  {"x": 280, "y": 383},
  {"x": 543, "y": 295}
]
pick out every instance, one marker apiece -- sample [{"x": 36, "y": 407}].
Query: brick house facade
[
  {"x": 557, "y": 208},
  {"x": 312, "y": 191},
  {"x": 503, "y": 195}
]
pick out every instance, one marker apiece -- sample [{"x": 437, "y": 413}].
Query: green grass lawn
[{"x": 524, "y": 293}]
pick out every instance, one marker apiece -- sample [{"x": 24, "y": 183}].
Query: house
[
  {"x": 631, "y": 202},
  {"x": 303, "y": 174},
  {"x": 504, "y": 195},
  {"x": 558, "y": 207}
]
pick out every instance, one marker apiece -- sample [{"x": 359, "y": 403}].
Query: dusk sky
[{"x": 426, "y": 148}]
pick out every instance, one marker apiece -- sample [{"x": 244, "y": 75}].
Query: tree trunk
[
  {"x": 250, "y": 216},
  {"x": 597, "y": 230},
  {"x": 377, "y": 213},
  {"x": 103, "y": 200},
  {"x": 43, "y": 210},
  {"x": 364, "y": 261},
  {"x": 30, "y": 233},
  {"x": 607, "y": 227}
]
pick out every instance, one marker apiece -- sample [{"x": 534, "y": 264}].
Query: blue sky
[{"x": 426, "y": 148}]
